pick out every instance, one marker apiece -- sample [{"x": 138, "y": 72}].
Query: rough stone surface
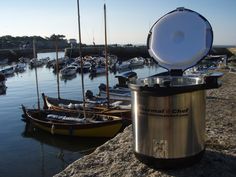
[{"x": 116, "y": 158}]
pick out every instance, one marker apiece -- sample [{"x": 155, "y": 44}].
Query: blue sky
[{"x": 128, "y": 21}]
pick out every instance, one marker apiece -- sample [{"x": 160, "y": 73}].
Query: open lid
[{"x": 180, "y": 39}]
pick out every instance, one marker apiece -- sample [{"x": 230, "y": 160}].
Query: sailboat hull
[
  {"x": 54, "y": 104},
  {"x": 102, "y": 131},
  {"x": 92, "y": 126}
]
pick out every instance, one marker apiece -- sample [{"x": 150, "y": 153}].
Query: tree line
[{"x": 26, "y": 42}]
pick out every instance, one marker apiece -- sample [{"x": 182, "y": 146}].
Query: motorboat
[
  {"x": 68, "y": 71},
  {"x": 137, "y": 61},
  {"x": 121, "y": 66},
  {"x": 99, "y": 69},
  {"x": 20, "y": 67},
  {"x": 86, "y": 66},
  {"x": 8, "y": 71},
  {"x": 120, "y": 91}
]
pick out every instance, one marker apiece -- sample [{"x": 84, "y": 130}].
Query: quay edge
[{"x": 116, "y": 157}]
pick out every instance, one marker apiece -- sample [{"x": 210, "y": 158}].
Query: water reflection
[
  {"x": 65, "y": 147},
  {"x": 69, "y": 143},
  {"x": 67, "y": 78},
  {"x": 94, "y": 75},
  {"x": 3, "y": 90},
  {"x": 42, "y": 154}
]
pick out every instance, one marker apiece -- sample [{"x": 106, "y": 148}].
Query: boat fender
[
  {"x": 128, "y": 107},
  {"x": 116, "y": 103},
  {"x": 71, "y": 106},
  {"x": 53, "y": 129},
  {"x": 77, "y": 106}
]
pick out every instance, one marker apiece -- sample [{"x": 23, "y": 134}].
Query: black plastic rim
[{"x": 167, "y": 164}]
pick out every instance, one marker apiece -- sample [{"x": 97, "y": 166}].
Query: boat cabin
[{"x": 125, "y": 78}]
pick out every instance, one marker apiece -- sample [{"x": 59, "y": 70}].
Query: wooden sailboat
[
  {"x": 96, "y": 106},
  {"x": 74, "y": 124}
]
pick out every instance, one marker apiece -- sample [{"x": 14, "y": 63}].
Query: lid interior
[{"x": 180, "y": 39}]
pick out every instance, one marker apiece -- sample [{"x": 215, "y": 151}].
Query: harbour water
[{"x": 26, "y": 153}]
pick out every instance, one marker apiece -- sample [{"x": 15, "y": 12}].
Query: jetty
[{"x": 125, "y": 52}]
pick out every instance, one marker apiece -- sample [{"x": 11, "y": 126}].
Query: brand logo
[{"x": 175, "y": 112}]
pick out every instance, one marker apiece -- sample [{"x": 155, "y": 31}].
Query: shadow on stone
[{"x": 213, "y": 164}]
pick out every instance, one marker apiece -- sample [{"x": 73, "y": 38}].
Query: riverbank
[{"x": 116, "y": 158}]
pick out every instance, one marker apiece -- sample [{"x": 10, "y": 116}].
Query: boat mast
[
  {"x": 57, "y": 68},
  {"x": 106, "y": 57},
  {"x": 36, "y": 73},
  {"x": 81, "y": 59}
]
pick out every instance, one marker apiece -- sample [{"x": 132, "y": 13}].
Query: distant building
[{"x": 72, "y": 42}]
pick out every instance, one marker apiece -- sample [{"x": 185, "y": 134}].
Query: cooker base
[{"x": 159, "y": 163}]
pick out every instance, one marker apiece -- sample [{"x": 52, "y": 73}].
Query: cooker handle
[{"x": 212, "y": 80}]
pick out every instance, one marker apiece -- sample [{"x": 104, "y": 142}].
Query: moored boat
[
  {"x": 137, "y": 61},
  {"x": 120, "y": 91},
  {"x": 20, "y": 67},
  {"x": 96, "y": 105},
  {"x": 98, "y": 69},
  {"x": 68, "y": 71},
  {"x": 35, "y": 63},
  {"x": 86, "y": 66},
  {"x": 74, "y": 124},
  {"x": 123, "y": 66},
  {"x": 8, "y": 71},
  {"x": 116, "y": 94}
]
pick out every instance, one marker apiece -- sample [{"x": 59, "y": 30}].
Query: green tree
[{"x": 55, "y": 37}]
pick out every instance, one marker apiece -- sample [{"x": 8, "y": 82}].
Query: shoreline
[{"x": 116, "y": 158}]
